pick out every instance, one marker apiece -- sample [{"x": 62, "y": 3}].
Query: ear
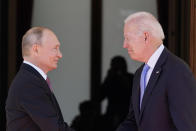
[
  {"x": 35, "y": 49},
  {"x": 146, "y": 37}
]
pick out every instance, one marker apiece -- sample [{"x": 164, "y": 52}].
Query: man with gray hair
[
  {"x": 31, "y": 104},
  {"x": 164, "y": 88}
]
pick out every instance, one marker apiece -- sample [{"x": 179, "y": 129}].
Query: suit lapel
[
  {"x": 37, "y": 76},
  {"x": 153, "y": 80}
]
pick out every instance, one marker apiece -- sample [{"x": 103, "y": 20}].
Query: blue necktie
[{"x": 143, "y": 82}]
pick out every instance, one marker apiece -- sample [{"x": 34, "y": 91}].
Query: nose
[{"x": 60, "y": 54}]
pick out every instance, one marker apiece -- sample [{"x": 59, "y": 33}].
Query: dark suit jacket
[
  {"x": 31, "y": 106},
  {"x": 169, "y": 102}
]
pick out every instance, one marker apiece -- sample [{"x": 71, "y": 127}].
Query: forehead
[
  {"x": 50, "y": 38},
  {"x": 129, "y": 29}
]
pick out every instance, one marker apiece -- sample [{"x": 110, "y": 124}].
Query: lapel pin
[{"x": 157, "y": 72}]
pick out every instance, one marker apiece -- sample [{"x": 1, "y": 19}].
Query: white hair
[{"x": 146, "y": 22}]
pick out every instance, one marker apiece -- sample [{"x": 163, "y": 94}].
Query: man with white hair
[
  {"x": 31, "y": 104},
  {"x": 164, "y": 88}
]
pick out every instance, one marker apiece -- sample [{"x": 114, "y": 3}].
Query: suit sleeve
[
  {"x": 129, "y": 124},
  {"x": 37, "y": 104},
  {"x": 181, "y": 99}
]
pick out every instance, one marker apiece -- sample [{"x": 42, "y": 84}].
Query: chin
[
  {"x": 53, "y": 67},
  {"x": 134, "y": 58}
]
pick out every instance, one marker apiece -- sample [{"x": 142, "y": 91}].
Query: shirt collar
[
  {"x": 36, "y": 68},
  {"x": 155, "y": 56}
]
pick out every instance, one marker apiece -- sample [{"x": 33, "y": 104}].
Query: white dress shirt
[
  {"x": 37, "y": 69},
  {"x": 153, "y": 60}
]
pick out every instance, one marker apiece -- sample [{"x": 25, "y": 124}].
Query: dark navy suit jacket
[
  {"x": 31, "y": 106},
  {"x": 169, "y": 102}
]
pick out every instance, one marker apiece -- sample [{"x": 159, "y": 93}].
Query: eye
[{"x": 55, "y": 49}]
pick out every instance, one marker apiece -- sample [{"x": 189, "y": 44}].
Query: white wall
[
  {"x": 114, "y": 13},
  {"x": 70, "y": 20}
]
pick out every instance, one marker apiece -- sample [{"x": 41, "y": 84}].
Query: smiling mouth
[{"x": 56, "y": 61}]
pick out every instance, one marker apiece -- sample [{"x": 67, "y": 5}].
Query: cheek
[
  {"x": 141, "y": 50},
  {"x": 130, "y": 44},
  {"x": 52, "y": 57},
  {"x": 137, "y": 49}
]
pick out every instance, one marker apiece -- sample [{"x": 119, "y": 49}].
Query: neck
[
  {"x": 29, "y": 60},
  {"x": 151, "y": 52},
  {"x": 36, "y": 63}
]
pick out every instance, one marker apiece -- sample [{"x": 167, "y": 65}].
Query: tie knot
[
  {"x": 49, "y": 85},
  {"x": 48, "y": 80},
  {"x": 146, "y": 68}
]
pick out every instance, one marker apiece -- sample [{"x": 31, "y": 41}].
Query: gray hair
[
  {"x": 146, "y": 22},
  {"x": 31, "y": 37}
]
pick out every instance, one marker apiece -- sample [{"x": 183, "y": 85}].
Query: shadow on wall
[{"x": 116, "y": 88}]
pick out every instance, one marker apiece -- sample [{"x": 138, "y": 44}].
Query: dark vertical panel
[
  {"x": 162, "y": 6},
  {"x": 11, "y": 40},
  {"x": 24, "y": 16},
  {"x": 3, "y": 58},
  {"x": 192, "y": 47},
  {"x": 179, "y": 28},
  {"x": 185, "y": 30},
  {"x": 173, "y": 26},
  {"x": 96, "y": 45}
]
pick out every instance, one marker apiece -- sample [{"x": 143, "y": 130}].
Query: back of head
[
  {"x": 145, "y": 21},
  {"x": 32, "y": 36},
  {"x": 118, "y": 63}
]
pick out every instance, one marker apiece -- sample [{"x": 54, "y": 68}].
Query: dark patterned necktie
[{"x": 49, "y": 84}]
